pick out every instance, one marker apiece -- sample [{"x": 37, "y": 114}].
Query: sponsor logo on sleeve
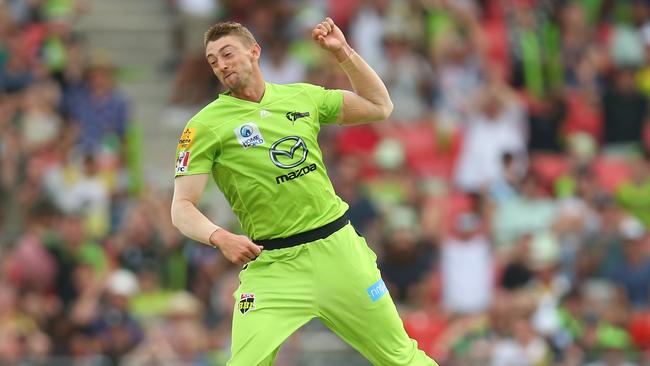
[
  {"x": 377, "y": 290},
  {"x": 249, "y": 135},
  {"x": 246, "y": 302},
  {"x": 187, "y": 138},
  {"x": 182, "y": 161}
]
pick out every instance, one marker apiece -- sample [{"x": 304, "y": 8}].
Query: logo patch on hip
[
  {"x": 377, "y": 290},
  {"x": 246, "y": 302}
]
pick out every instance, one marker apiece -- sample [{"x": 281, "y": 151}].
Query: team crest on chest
[
  {"x": 246, "y": 302},
  {"x": 293, "y": 116},
  {"x": 249, "y": 135}
]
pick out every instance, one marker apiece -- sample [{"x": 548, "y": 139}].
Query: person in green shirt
[
  {"x": 301, "y": 257},
  {"x": 633, "y": 194}
]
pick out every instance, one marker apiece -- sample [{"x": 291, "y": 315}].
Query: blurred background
[{"x": 507, "y": 198}]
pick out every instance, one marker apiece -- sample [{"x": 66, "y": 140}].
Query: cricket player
[{"x": 301, "y": 257}]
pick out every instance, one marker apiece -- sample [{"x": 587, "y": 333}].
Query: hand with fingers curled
[
  {"x": 238, "y": 249},
  {"x": 329, "y": 36}
]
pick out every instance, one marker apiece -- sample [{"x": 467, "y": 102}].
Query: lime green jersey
[{"x": 265, "y": 157}]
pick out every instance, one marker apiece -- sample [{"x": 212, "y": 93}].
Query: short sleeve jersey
[{"x": 265, "y": 157}]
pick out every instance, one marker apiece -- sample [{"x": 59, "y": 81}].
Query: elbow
[
  {"x": 175, "y": 214},
  {"x": 386, "y": 109}
]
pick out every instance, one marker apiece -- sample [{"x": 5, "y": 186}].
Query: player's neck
[{"x": 253, "y": 91}]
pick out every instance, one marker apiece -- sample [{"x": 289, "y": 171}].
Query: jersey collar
[{"x": 267, "y": 90}]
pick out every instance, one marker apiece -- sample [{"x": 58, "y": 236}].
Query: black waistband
[{"x": 305, "y": 237}]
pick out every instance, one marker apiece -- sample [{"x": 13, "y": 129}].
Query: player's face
[{"x": 232, "y": 61}]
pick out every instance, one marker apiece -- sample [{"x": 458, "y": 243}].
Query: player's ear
[{"x": 256, "y": 51}]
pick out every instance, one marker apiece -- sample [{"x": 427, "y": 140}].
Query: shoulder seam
[{"x": 214, "y": 133}]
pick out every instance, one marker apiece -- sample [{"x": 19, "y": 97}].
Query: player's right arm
[
  {"x": 187, "y": 218},
  {"x": 195, "y": 155}
]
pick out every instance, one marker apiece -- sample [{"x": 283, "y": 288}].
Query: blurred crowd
[{"x": 507, "y": 198}]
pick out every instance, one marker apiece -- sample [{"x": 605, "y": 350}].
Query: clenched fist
[
  {"x": 238, "y": 249},
  {"x": 328, "y": 36}
]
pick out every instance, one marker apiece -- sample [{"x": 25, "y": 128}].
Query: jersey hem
[{"x": 192, "y": 173}]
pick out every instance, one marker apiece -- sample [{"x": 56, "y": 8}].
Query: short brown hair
[{"x": 223, "y": 29}]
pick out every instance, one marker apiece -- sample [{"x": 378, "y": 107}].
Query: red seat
[
  {"x": 356, "y": 140},
  {"x": 440, "y": 212},
  {"x": 428, "y": 329},
  {"x": 457, "y": 203},
  {"x": 549, "y": 167},
  {"x": 497, "y": 50},
  {"x": 639, "y": 328},
  {"x": 582, "y": 117},
  {"x": 611, "y": 172},
  {"x": 427, "y": 152}
]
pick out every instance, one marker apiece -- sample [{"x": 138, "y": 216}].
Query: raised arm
[
  {"x": 190, "y": 221},
  {"x": 370, "y": 100}
]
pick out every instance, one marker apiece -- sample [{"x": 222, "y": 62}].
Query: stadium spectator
[
  {"x": 466, "y": 266},
  {"x": 632, "y": 195},
  {"x": 98, "y": 108},
  {"x": 496, "y": 126},
  {"x": 625, "y": 111},
  {"x": 407, "y": 258},
  {"x": 632, "y": 271},
  {"x": 407, "y": 76},
  {"x": 279, "y": 65}
]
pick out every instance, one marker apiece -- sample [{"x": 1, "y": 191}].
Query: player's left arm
[{"x": 370, "y": 100}]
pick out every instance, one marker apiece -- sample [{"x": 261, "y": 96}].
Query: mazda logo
[{"x": 287, "y": 152}]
